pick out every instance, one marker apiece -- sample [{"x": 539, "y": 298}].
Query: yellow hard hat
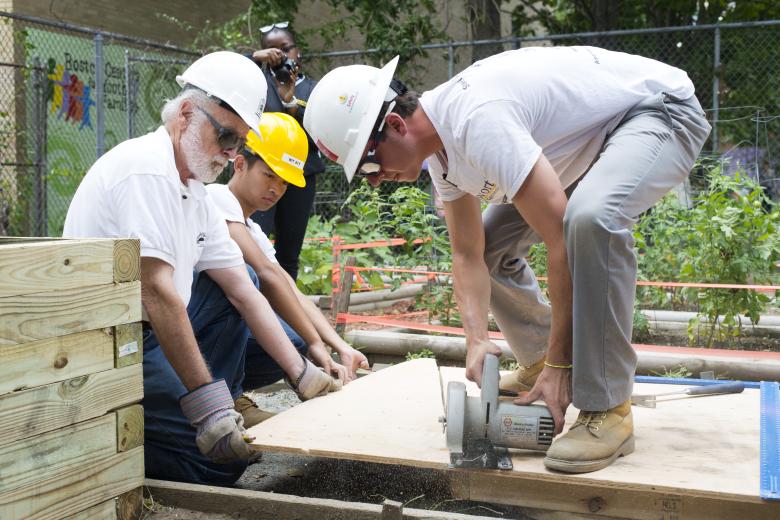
[{"x": 282, "y": 144}]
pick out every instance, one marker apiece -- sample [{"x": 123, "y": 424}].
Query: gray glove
[
  {"x": 220, "y": 429},
  {"x": 313, "y": 382}
]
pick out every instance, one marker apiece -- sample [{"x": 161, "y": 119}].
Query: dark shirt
[{"x": 303, "y": 88}]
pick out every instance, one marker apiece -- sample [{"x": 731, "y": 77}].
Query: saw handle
[{"x": 735, "y": 387}]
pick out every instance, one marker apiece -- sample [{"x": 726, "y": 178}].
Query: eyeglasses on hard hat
[
  {"x": 279, "y": 25},
  {"x": 227, "y": 138}
]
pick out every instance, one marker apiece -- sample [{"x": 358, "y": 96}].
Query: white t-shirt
[
  {"x": 496, "y": 117},
  {"x": 230, "y": 210},
  {"x": 134, "y": 191}
]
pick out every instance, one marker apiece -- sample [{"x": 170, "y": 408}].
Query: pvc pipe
[{"x": 749, "y": 368}]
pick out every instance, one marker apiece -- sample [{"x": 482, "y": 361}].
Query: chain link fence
[
  {"x": 63, "y": 103},
  {"x": 68, "y": 94},
  {"x": 733, "y": 66}
]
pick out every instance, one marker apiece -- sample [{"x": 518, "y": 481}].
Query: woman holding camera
[{"x": 288, "y": 90}]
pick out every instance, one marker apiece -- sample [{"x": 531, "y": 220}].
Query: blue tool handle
[{"x": 735, "y": 387}]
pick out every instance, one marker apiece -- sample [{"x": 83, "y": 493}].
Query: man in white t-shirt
[
  {"x": 523, "y": 131},
  {"x": 151, "y": 188}
]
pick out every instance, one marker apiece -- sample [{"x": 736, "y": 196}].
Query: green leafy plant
[
  {"x": 423, "y": 354},
  {"x": 730, "y": 235},
  {"x": 676, "y": 372}
]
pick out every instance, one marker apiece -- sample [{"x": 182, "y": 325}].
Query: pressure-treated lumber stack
[{"x": 71, "y": 431}]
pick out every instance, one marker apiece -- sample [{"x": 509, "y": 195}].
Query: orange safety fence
[
  {"x": 390, "y": 322},
  {"x": 363, "y": 285}
]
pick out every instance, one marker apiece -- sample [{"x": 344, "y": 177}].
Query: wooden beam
[
  {"x": 102, "y": 511},
  {"x": 44, "y": 315},
  {"x": 341, "y": 304},
  {"x": 130, "y": 505},
  {"x": 596, "y": 498},
  {"x": 68, "y": 491},
  {"x": 128, "y": 344},
  {"x": 129, "y": 427},
  {"x": 38, "y": 410},
  {"x": 26, "y": 462},
  {"x": 127, "y": 260},
  {"x": 260, "y": 505},
  {"x": 45, "y": 266},
  {"x": 46, "y": 361}
]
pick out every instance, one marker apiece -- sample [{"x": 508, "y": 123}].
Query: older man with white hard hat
[
  {"x": 195, "y": 334},
  {"x": 566, "y": 146}
]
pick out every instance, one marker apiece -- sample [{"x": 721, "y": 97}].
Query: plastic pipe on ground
[{"x": 742, "y": 365}]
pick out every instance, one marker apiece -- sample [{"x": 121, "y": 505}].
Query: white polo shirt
[
  {"x": 496, "y": 117},
  {"x": 230, "y": 209},
  {"x": 134, "y": 191}
]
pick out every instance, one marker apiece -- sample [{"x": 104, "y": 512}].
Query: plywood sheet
[
  {"x": 707, "y": 445},
  {"x": 687, "y": 451},
  {"x": 390, "y": 416}
]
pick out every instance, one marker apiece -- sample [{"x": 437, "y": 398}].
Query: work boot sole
[{"x": 585, "y": 466}]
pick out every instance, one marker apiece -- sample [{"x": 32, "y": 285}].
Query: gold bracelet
[{"x": 557, "y": 366}]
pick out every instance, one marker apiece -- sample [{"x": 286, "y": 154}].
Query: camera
[{"x": 285, "y": 71}]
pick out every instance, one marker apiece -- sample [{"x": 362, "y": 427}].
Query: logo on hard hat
[{"x": 342, "y": 99}]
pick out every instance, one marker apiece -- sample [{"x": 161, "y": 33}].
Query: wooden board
[
  {"x": 390, "y": 416},
  {"x": 37, "y": 363},
  {"x": 262, "y": 505},
  {"x": 43, "y": 315},
  {"x": 45, "y": 408},
  {"x": 695, "y": 458},
  {"x": 45, "y": 266},
  {"x": 70, "y": 490},
  {"x": 31, "y": 459}
]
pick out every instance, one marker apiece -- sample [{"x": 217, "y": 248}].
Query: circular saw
[{"x": 480, "y": 429}]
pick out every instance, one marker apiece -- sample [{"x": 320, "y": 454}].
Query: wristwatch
[{"x": 291, "y": 104}]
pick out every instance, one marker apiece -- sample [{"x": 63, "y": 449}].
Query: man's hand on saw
[
  {"x": 475, "y": 358},
  {"x": 554, "y": 388}
]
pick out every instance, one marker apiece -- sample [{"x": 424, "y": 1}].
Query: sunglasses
[
  {"x": 269, "y": 28},
  {"x": 369, "y": 165},
  {"x": 227, "y": 138}
]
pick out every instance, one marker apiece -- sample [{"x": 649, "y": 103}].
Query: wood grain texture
[
  {"x": 700, "y": 455},
  {"x": 72, "y": 490},
  {"x": 127, "y": 260},
  {"x": 27, "y": 461},
  {"x": 33, "y": 317},
  {"x": 390, "y": 416},
  {"x": 129, "y": 427},
  {"x": 46, "y": 408},
  {"x": 130, "y": 505},
  {"x": 102, "y": 511},
  {"x": 32, "y": 267},
  {"x": 128, "y": 344},
  {"x": 46, "y": 361}
]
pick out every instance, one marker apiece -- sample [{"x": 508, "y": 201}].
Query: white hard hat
[
  {"x": 232, "y": 78},
  {"x": 343, "y": 108}
]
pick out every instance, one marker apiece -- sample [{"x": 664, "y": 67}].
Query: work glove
[
  {"x": 313, "y": 382},
  {"x": 220, "y": 429}
]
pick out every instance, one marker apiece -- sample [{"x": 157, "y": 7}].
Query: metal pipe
[
  {"x": 715, "y": 89},
  {"x": 398, "y": 344},
  {"x": 128, "y": 100},
  {"x": 100, "y": 129},
  {"x": 87, "y": 30},
  {"x": 450, "y": 62},
  {"x": 516, "y": 40}
]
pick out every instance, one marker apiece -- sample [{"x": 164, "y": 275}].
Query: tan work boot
[
  {"x": 594, "y": 441},
  {"x": 522, "y": 379},
  {"x": 251, "y": 412}
]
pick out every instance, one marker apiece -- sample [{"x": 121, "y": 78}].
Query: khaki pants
[{"x": 649, "y": 153}]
